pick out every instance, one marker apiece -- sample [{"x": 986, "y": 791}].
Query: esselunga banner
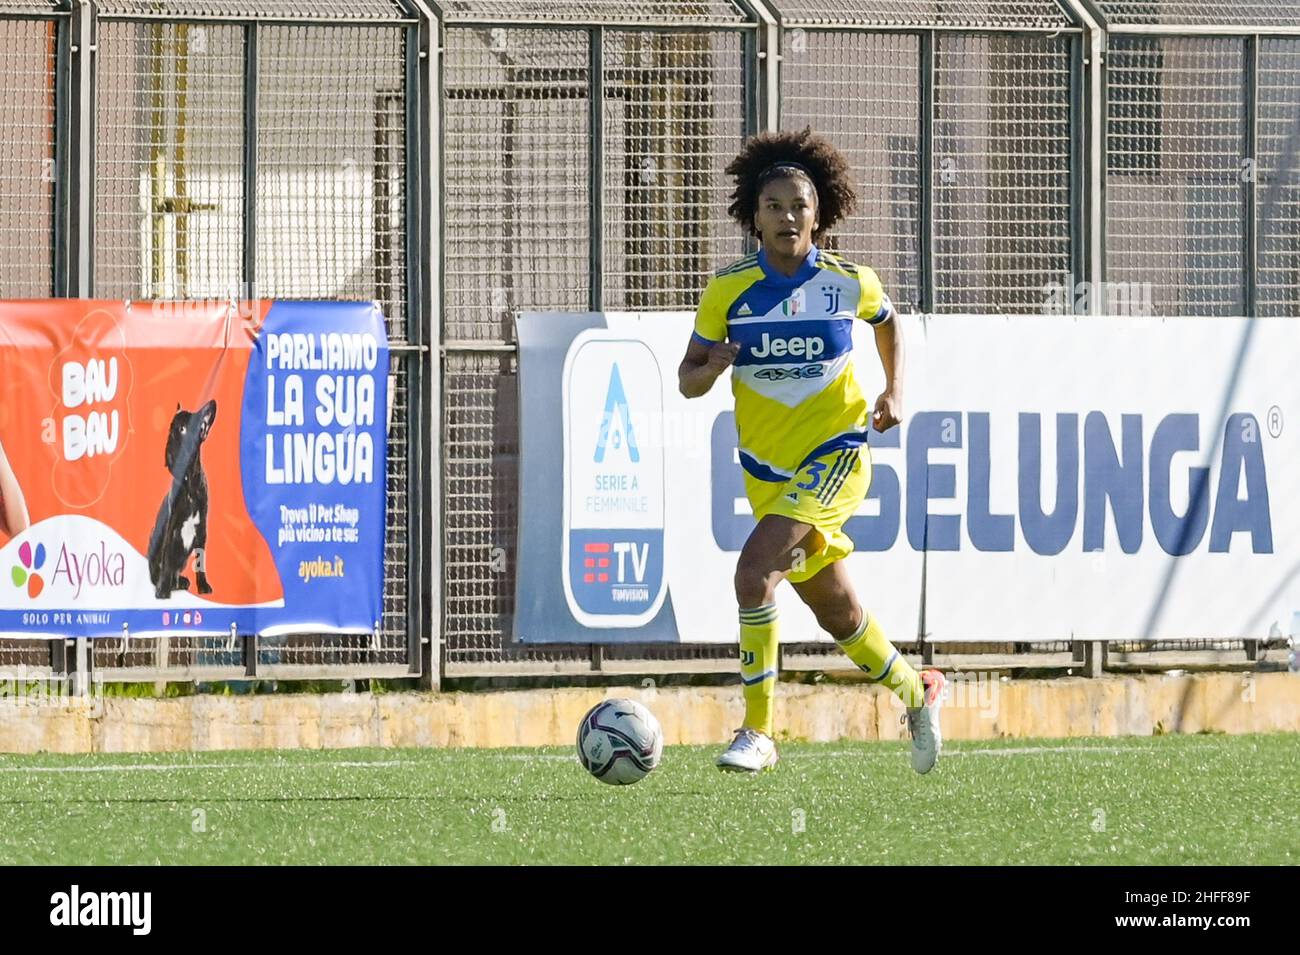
[
  {"x": 191, "y": 468},
  {"x": 1054, "y": 478}
]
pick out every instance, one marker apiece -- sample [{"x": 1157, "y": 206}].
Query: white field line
[
  {"x": 991, "y": 751},
  {"x": 551, "y": 757},
  {"x": 891, "y": 754},
  {"x": 180, "y": 767}
]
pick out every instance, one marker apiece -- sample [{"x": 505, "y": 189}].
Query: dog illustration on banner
[{"x": 181, "y": 528}]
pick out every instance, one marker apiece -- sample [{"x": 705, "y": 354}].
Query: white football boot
[
  {"x": 923, "y": 722},
  {"x": 750, "y": 752}
]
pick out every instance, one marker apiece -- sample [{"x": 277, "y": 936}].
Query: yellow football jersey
[{"x": 796, "y": 395}]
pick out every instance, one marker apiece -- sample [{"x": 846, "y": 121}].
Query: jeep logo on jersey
[{"x": 809, "y": 347}]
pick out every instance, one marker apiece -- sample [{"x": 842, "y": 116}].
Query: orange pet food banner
[{"x": 191, "y": 467}]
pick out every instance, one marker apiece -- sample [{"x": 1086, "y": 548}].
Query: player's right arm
[
  {"x": 709, "y": 353},
  {"x": 703, "y": 364}
]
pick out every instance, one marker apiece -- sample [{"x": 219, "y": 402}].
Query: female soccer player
[{"x": 782, "y": 320}]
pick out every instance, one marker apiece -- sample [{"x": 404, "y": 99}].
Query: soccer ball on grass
[{"x": 619, "y": 742}]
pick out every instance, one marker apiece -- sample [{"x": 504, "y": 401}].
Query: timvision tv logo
[{"x": 613, "y": 564}]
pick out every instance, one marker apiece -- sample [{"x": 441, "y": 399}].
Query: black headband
[{"x": 783, "y": 165}]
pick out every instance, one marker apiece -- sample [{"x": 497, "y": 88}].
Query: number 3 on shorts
[{"x": 814, "y": 476}]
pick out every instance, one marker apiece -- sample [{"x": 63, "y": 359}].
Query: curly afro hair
[{"x": 827, "y": 169}]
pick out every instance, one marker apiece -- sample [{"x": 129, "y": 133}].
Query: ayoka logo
[
  {"x": 27, "y": 571},
  {"x": 92, "y": 567},
  {"x": 90, "y": 380}
]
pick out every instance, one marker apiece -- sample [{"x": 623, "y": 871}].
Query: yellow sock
[
  {"x": 758, "y": 650},
  {"x": 878, "y": 658}
]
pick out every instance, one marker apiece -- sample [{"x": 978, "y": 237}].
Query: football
[{"x": 619, "y": 742}]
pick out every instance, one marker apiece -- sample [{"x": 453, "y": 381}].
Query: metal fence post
[
  {"x": 249, "y": 264},
  {"x": 596, "y": 164},
  {"x": 82, "y": 659},
  {"x": 1094, "y": 658},
  {"x": 1251, "y": 174},
  {"x": 750, "y": 58},
  {"x": 1079, "y": 189},
  {"x": 250, "y": 655},
  {"x": 925, "y": 192},
  {"x": 1093, "y": 118},
  {"x": 59, "y": 658},
  {"x": 80, "y": 189},
  {"x": 425, "y": 190},
  {"x": 62, "y": 154},
  {"x": 767, "y": 81}
]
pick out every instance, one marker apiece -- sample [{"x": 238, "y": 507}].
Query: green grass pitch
[{"x": 1159, "y": 800}]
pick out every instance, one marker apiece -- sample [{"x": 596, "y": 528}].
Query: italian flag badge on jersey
[{"x": 794, "y": 304}]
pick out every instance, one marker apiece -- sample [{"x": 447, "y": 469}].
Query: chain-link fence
[
  {"x": 30, "y": 36},
  {"x": 825, "y": 87},
  {"x": 1002, "y": 152},
  {"x": 584, "y": 147},
  {"x": 1176, "y": 183},
  {"x": 266, "y": 157},
  {"x": 33, "y": 38},
  {"x": 965, "y": 179},
  {"x": 1200, "y": 98},
  {"x": 584, "y": 170},
  {"x": 517, "y": 180},
  {"x": 1277, "y": 264},
  {"x": 1195, "y": 15},
  {"x": 169, "y": 159},
  {"x": 229, "y": 149}
]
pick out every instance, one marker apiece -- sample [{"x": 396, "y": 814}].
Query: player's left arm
[
  {"x": 875, "y": 308},
  {"x": 889, "y": 343}
]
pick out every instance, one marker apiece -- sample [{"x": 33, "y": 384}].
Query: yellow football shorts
[{"x": 825, "y": 493}]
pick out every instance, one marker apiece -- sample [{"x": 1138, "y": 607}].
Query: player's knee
[{"x": 754, "y": 585}]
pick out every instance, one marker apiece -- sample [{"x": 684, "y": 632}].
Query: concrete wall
[{"x": 1114, "y": 706}]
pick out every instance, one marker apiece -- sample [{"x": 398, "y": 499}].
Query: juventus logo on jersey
[{"x": 832, "y": 298}]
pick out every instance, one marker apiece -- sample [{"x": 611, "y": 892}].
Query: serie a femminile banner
[
  {"x": 189, "y": 468},
  {"x": 1054, "y": 478}
]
